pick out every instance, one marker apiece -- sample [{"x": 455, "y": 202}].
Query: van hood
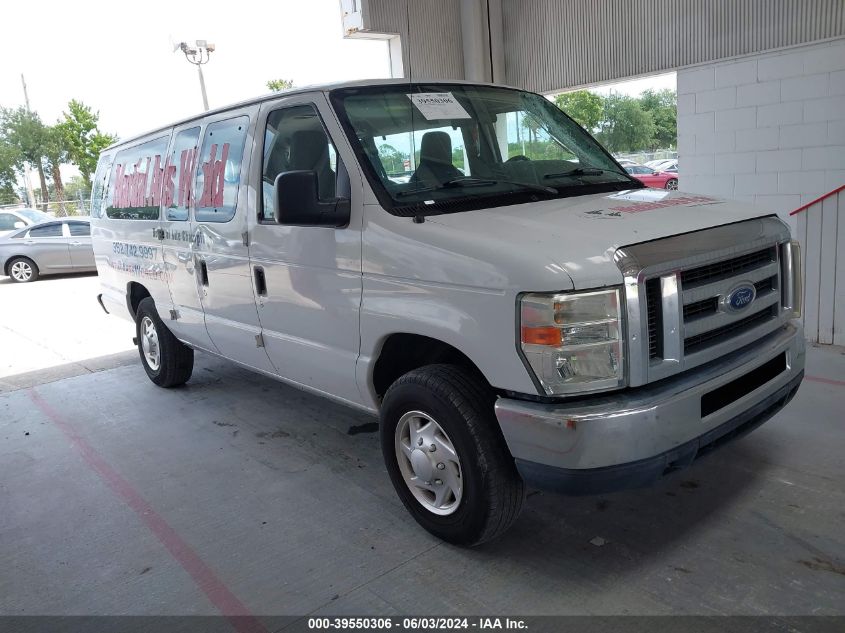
[{"x": 581, "y": 234}]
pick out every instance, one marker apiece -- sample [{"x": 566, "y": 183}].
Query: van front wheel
[
  {"x": 446, "y": 457},
  {"x": 167, "y": 361}
]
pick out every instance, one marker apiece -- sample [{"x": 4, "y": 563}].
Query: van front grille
[
  {"x": 694, "y": 343},
  {"x": 691, "y": 298},
  {"x": 701, "y": 308},
  {"x": 728, "y": 268},
  {"x": 655, "y": 318}
]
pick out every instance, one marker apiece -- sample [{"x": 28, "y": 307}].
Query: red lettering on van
[
  {"x": 187, "y": 161},
  {"x": 154, "y": 199},
  {"x": 213, "y": 181},
  {"x": 168, "y": 186}
]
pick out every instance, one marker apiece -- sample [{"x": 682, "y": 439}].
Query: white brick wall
[{"x": 767, "y": 129}]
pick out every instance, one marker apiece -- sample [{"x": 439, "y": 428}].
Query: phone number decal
[{"x": 138, "y": 251}]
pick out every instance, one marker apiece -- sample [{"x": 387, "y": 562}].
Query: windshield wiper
[
  {"x": 468, "y": 181},
  {"x": 585, "y": 171}
]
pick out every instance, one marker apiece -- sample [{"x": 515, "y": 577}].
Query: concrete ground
[
  {"x": 239, "y": 495},
  {"x": 56, "y": 323}
]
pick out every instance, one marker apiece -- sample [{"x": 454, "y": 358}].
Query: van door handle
[
  {"x": 203, "y": 273},
  {"x": 260, "y": 281}
]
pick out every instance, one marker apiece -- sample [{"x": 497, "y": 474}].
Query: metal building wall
[
  {"x": 554, "y": 44},
  {"x": 435, "y": 49}
]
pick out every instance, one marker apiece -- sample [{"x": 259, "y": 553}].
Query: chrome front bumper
[{"x": 628, "y": 439}]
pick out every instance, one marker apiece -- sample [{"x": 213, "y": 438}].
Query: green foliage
[
  {"x": 622, "y": 123},
  {"x": 26, "y": 133},
  {"x": 625, "y": 126},
  {"x": 77, "y": 185},
  {"x": 54, "y": 149},
  {"x": 582, "y": 105},
  {"x": 458, "y": 157},
  {"x": 663, "y": 107},
  {"x": 541, "y": 149},
  {"x": 391, "y": 158},
  {"x": 277, "y": 85},
  {"x": 81, "y": 137},
  {"x": 9, "y": 161}
]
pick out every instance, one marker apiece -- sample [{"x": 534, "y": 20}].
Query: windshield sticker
[{"x": 438, "y": 105}]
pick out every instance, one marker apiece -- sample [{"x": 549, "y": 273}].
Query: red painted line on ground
[
  {"x": 220, "y": 596},
  {"x": 827, "y": 381}
]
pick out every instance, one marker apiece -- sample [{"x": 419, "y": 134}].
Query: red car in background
[{"x": 651, "y": 178}]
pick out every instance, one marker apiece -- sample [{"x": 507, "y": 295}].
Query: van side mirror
[
  {"x": 20, "y": 225},
  {"x": 296, "y": 201}
]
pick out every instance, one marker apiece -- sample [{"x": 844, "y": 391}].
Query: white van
[{"x": 520, "y": 311}]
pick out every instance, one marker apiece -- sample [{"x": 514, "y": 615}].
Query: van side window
[
  {"x": 218, "y": 170},
  {"x": 138, "y": 181},
  {"x": 184, "y": 159},
  {"x": 295, "y": 139},
  {"x": 99, "y": 186}
]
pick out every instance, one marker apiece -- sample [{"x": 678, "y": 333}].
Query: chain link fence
[{"x": 59, "y": 208}]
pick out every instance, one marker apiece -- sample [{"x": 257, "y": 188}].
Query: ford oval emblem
[{"x": 741, "y": 297}]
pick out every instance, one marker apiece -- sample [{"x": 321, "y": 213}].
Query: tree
[
  {"x": 28, "y": 135},
  {"x": 277, "y": 85},
  {"x": 54, "y": 152},
  {"x": 663, "y": 107},
  {"x": 9, "y": 161},
  {"x": 81, "y": 137},
  {"x": 625, "y": 126},
  {"x": 582, "y": 105},
  {"x": 533, "y": 125},
  {"x": 391, "y": 158},
  {"x": 76, "y": 187}
]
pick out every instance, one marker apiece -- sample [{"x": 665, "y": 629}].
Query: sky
[{"x": 118, "y": 58}]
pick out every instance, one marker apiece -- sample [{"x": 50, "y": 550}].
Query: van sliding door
[
  {"x": 219, "y": 243},
  {"x": 177, "y": 237}
]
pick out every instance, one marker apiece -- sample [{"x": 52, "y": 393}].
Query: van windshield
[{"x": 434, "y": 148}]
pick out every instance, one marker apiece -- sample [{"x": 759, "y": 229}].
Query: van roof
[{"x": 295, "y": 91}]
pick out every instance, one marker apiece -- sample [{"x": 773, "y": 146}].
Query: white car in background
[
  {"x": 14, "y": 219},
  {"x": 664, "y": 164}
]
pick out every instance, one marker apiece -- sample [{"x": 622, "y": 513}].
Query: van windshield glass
[{"x": 442, "y": 147}]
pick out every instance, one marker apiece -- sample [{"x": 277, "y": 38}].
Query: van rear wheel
[
  {"x": 167, "y": 361},
  {"x": 447, "y": 458}
]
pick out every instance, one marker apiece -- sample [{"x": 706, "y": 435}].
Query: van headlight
[{"x": 573, "y": 342}]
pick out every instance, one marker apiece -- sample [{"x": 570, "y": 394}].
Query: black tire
[
  {"x": 28, "y": 263},
  {"x": 176, "y": 360},
  {"x": 672, "y": 184},
  {"x": 462, "y": 405}
]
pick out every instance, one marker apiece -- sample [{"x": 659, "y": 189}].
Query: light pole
[{"x": 198, "y": 55}]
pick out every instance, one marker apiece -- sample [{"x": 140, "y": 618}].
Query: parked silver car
[
  {"x": 49, "y": 248},
  {"x": 14, "y": 219}
]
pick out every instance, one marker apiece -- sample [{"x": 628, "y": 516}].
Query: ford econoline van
[{"x": 469, "y": 264}]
